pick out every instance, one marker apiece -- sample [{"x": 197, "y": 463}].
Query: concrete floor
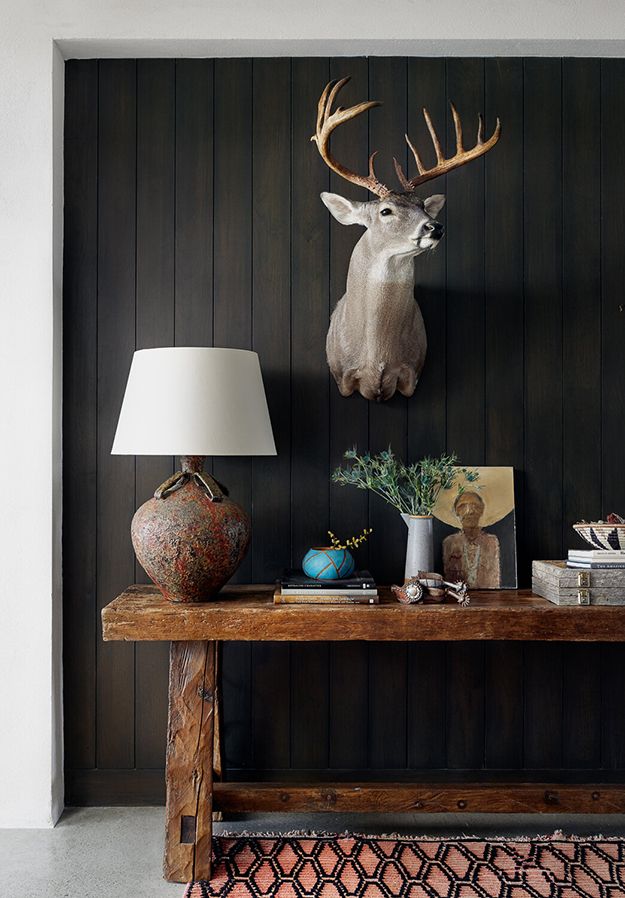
[{"x": 117, "y": 852}]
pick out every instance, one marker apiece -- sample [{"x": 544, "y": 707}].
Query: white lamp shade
[{"x": 194, "y": 401}]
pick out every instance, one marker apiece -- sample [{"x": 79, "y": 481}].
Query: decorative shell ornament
[
  {"x": 410, "y": 593},
  {"x": 430, "y": 587}
]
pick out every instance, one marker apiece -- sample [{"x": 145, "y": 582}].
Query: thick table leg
[
  {"x": 218, "y": 773},
  {"x": 189, "y": 765}
]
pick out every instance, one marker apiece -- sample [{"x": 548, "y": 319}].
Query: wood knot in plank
[
  {"x": 330, "y": 796},
  {"x": 551, "y": 797}
]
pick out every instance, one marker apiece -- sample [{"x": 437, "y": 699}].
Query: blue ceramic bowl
[{"x": 325, "y": 563}]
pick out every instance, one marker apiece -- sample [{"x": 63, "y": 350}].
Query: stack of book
[
  {"x": 295, "y": 588},
  {"x": 597, "y": 559}
]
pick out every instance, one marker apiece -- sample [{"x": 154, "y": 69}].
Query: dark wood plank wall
[{"x": 192, "y": 217}]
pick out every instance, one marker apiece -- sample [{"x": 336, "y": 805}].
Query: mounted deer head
[{"x": 376, "y": 342}]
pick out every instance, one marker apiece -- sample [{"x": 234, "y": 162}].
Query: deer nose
[{"x": 434, "y": 229}]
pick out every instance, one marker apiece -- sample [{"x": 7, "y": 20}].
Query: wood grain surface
[
  {"x": 189, "y": 771},
  {"x": 437, "y": 798},
  {"x": 247, "y": 613}
]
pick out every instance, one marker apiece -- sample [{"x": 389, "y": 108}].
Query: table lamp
[{"x": 192, "y": 402}]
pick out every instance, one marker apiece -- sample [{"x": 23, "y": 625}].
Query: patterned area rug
[{"x": 322, "y": 866}]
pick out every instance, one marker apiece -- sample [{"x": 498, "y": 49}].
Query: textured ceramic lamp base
[{"x": 190, "y": 538}]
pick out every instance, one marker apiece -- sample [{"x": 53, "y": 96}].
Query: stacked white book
[
  {"x": 597, "y": 559},
  {"x": 296, "y": 588}
]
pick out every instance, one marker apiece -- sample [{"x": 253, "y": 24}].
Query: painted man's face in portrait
[{"x": 469, "y": 509}]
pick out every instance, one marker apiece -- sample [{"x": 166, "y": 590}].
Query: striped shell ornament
[{"x": 326, "y": 563}]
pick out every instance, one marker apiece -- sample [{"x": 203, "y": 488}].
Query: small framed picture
[{"x": 474, "y": 530}]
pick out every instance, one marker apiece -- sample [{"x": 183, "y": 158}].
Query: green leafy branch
[{"x": 411, "y": 489}]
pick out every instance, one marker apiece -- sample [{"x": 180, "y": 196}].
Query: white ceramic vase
[{"x": 420, "y": 545}]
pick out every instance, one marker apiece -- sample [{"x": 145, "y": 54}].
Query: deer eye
[{"x": 386, "y": 211}]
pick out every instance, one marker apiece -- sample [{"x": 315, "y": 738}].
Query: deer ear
[
  {"x": 434, "y": 204},
  {"x": 345, "y": 211}
]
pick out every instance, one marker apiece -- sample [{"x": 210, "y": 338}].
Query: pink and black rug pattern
[{"x": 405, "y": 867}]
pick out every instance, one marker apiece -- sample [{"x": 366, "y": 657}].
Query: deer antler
[
  {"x": 443, "y": 165},
  {"x": 327, "y": 121}
]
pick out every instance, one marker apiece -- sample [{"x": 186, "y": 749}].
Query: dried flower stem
[{"x": 352, "y": 543}]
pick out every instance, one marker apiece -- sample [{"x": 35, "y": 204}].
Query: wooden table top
[{"x": 247, "y": 613}]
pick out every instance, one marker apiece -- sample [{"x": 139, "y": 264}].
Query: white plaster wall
[
  {"x": 31, "y": 75},
  {"x": 29, "y": 427}
]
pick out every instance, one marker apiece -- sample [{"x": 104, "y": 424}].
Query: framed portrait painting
[{"x": 474, "y": 530}]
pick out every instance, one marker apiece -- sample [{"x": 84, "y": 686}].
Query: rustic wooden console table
[{"x": 248, "y": 613}]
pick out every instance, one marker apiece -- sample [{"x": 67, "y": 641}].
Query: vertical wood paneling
[
  {"x": 503, "y": 267},
  {"x": 349, "y": 426},
  {"x": 465, "y": 705},
  {"x": 310, "y": 399},
  {"x": 581, "y": 292},
  {"x": 349, "y": 705},
  {"x": 426, "y": 705},
  {"x": 193, "y": 217},
  {"x": 581, "y": 376},
  {"x": 543, "y": 307},
  {"x": 612, "y": 280},
  {"x": 581, "y": 711},
  {"x": 543, "y": 385},
  {"x": 612, "y": 377},
  {"x": 271, "y": 286},
  {"x": 465, "y": 382},
  {"x": 194, "y": 203},
  {"x": 80, "y": 410},
  {"x": 504, "y": 373},
  {"x": 612, "y": 717},
  {"x": 465, "y": 272},
  {"x": 503, "y": 685},
  {"x": 542, "y": 737},
  {"x": 270, "y": 729},
  {"x": 271, "y": 283},
  {"x": 388, "y": 83},
  {"x": 117, "y": 187},
  {"x": 232, "y": 266},
  {"x": 154, "y": 327},
  {"x": 427, "y": 429}
]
